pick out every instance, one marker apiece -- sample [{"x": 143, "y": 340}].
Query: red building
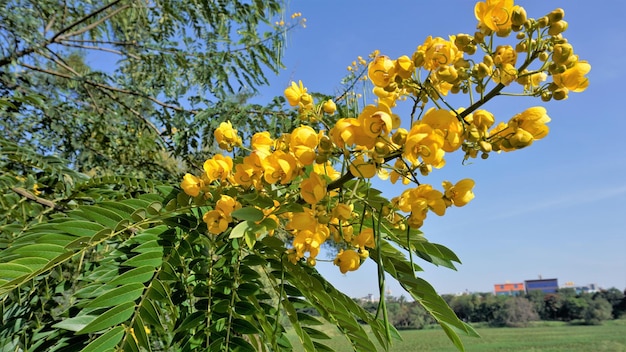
[{"x": 509, "y": 289}]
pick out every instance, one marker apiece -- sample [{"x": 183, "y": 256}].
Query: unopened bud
[
  {"x": 521, "y": 47},
  {"x": 479, "y": 37},
  {"x": 544, "y": 56},
  {"x": 484, "y": 156},
  {"x": 560, "y": 94},
  {"x": 557, "y": 28},
  {"x": 543, "y": 22},
  {"x": 556, "y": 15},
  {"x": 425, "y": 169},
  {"x": 321, "y": 158},
  {"x": 504, "y": 32},
  {"x": 485, "y": 146},
  {"x": 325, "y": 143},
  {"x": 518, "y": 16},
  {"x": 447, "y": 73},
  {"x": 562, "y": 52},
  {"x": 399, "y": 137},
  {"x": 381, "y": 148},
  {"x": 520, "y": 35}
]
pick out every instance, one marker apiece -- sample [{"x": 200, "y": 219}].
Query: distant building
[
  {"x": 544, "y": 285},
  {"x": 591, "y": 288},
  {"x": 509, "y": 289}
]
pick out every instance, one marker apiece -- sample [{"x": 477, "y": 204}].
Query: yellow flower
[
  {"x": 329, "y": 107},
  {"x": 326, "y": 169},
  {"x": 574, "y": 78},
  {"x": 249, "y": 172},
  {"x": 482, "y": 119},
  {"x": 279, "y": 166},
  {"x": 425, "y": 143},
  {"x": 218, "y": 168},
  {"x": 192, "y": 185},
  {"x": 308, "y": 241},
  {"x": 504, "y": 54},
  {"x": 494, "y": 14},
  {"x": 261, "y": 143},
  {"x": 348, "y": 131},
  {"x": 295, "y": 93},
  {"x": 348, "y": 260},
  {"x": 532, "y": 120},
  {"x": 505, "y": 74},
  {"x": 226, "y": 205},
  {"x": 226, "y": 136},
  {"x": 375, "y": 122},
  {"x": 365, "y": 239},
  {"x": 216, "y": 221},
  {"x": 304, "y": 220},
  {"x": 460, "y": 193},
  {"x": 447, "y": 122},
  {"x": 342, "y": 211},
  {"x": 361, "y": 168},
  {"x": 437, "y": 52},
  {"x": 404, "y": 67},
  {"x": 313, "y": 189},
  {"x": 302, "y": 144},
  {"x": 381, "y": 71}
]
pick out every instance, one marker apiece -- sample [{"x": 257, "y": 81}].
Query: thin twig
[{"x": 26, "y": 194}]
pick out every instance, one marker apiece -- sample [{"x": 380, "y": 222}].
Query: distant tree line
[{"x": 512, "y": 311}]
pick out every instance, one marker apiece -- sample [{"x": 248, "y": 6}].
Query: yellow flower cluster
[{"x": 301, "y": 163}]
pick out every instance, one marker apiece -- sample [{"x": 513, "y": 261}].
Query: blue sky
[{"x": 555, "y": 209}]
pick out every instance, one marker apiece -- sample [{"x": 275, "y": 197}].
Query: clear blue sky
[{"x": 555, "y": 209}]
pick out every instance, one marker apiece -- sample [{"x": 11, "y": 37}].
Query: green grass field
[{"x": 542, "y": 337}]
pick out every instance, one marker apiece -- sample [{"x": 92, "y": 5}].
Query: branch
[
  {"x": 93, "y": 25},
  {"x": 27, "y": 51},
  {"x": 26, "y": 194},
  {"x": 107, "y": 87},
  {"x": 113, "y": 51},
  {"x": 76, "y": 23}
]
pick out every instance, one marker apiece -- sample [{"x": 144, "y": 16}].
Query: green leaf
[
  {"x": 80, "y": 228},
  {"x": 40, "y": 250},
  {"x": 140, "y": 274},
  {"x": 153, "y": 259},
  {"x": 248, "y": 213},
  {"x": 127, "y": 293},
  {"x": 192, "y": 321},
  {"x": 76, "y": 323},
  {"x": 239, "y": 230},
  {"x": 243, "y": 327},
  {"x": 11, "y": 271},
  {"x": 114, "y": 316},
  {"x": 107, "y": 341}
]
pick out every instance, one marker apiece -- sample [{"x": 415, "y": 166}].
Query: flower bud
[
  {"x": 381, "y": 148},
  {"x": 556, "y": 15},
  {"x": 329, "y": 107},
  {"x": 484, "y": 156},
  {"x": 562, "y": 52},
  {"x": 560, "y": 94},
  {"x": 543, "y": 22},
  {"x": 518, "y": 16},
  {"x": 447, "y": 73},
  {"x": 521, "y": 138},
  {"x": 557, "y": 28},
  {"x": 399, "y": 137},
  {"x": 321, "y": 158},
  {"x": 544, "y": 56},
  {"x": 485, "y": 146}
]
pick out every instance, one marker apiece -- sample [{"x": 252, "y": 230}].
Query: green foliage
[
  {"x": 121, "y": 261},
  {"x": 173, "y": 70}
]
